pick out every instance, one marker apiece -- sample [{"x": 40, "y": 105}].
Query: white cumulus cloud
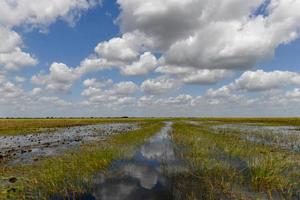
[
  {"x": 209, "y": 34},
  {"x": 159, "y": 85}
]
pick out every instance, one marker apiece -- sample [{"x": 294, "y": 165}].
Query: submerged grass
[
  {"x": 72, "y": 172},
  {"x": 223, "y": 166}
]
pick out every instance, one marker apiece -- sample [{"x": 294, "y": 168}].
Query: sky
[{"x": 171, "y": 58}]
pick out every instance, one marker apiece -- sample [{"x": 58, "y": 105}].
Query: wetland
[{"x": 140, "y": 158}]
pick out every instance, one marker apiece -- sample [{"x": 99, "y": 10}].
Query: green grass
[
  {"x": 220, "y": 164},
  {"x": 29, "y": 126},
  {"x": 278, "y": 121},
  {"x": 225, "y": 166},
  {"x": 72, "y": 172}
]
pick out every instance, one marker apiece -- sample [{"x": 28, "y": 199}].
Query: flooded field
[
  {"x": 142, "y": 176},
  {"x": 238, "y": 161},
  {"x": 154, "y": 159},
  {"x": 286, "y": 137},
  {"x": 29, "y": 148}
]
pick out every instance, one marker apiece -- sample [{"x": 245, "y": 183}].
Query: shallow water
[
  {"x": 285, "y": 137},
  {"x": 29, "y": 148},
  {"x": 142, "y": 177},
  {"x": 260, "y": 128}
]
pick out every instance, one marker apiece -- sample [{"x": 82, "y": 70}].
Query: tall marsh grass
[
  {"x": 224, "y": 166},
  {"x": 72, "y": 172},
  {"x": 29, "y": 126}
]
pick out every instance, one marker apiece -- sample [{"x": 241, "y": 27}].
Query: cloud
[
  {"x": 128, "y": 53},
  {"x": 187, "y": 42},
  {"x": 35, "y": 91},
  {"x": 190, "y": 75},
  {"x": 2, "y": 78},
  {"x": 268, "y": 84},
  {"x": 14, "y": 95},
  {"x": 60, "y": 78},
  {"x": 35, "y": 12},
  {"x": 93, "y": 64},
  {"x": 260, "y": 80},
  {"x": 294, "y": 94},
  {"x": 117, "y": 49},
  {"x": 212, "y": 34},
  {"x": 9, "y": 90},
  {"x": 15, "y": 100},
  {"x": 91, "y": 91},
  {"x": 165, "y": 21},
  {"x": 9, "y": 40},
  {"x": 159, "y": 85},
  {"x": 55, "y": 101},
  {"x": 107, "y": 94},
  {"x": 12, "y": 58},
  {"x": 92, "y": 82},
  {"x": 180, "y": 100},
  {"x": 32, "y": 14},
  {"x": 124, "y": 88},
  {"x": 144, "y": 65},
  {"x": 145, "y": 101},
  {"x": 20, "y": 79},
  {"x": 253, "y": 81},
  {"x": 223, "y": 96},
  {"x": 16, "y": 59}
]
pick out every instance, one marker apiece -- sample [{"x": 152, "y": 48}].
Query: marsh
[{"x": 155, "y": 159}]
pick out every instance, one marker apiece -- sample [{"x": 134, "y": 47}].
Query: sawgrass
[
  {"x": 274, "y": 121},
  {"x": 72, "y": 172},
  {"x": 30, "y": 126},
  {"x": 224, "y": 166}
]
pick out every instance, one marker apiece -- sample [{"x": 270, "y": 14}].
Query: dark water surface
[{"x": 142, "y": 177}]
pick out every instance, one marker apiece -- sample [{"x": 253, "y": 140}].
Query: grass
[
  {"x": 72, "y": 172},
  {"x": 288, "y": 140},
  {"x": 279, "y": 121},
  {"x": 29, "y": 126},
  {"x": 224, "y": 166}
]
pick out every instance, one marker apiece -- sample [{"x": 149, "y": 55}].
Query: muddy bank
[
  {"x": 144, "y": 176},
  {"x": 29, "y": 148}
]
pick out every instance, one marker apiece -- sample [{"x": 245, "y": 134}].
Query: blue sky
[
  {"x": 71, "y": 44},
  {"x": 149, "y": 58}
]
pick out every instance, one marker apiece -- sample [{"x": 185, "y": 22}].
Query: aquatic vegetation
[
  {"x": 142, "y": 175},
  {"x": 191, "y": 158},
  {"x": 28, "y": 148},
  {"x": 285, "y": 137},
  {"x": 279, "y": 121},
  {"x": 225, "y": 166},
  {"x": 30, "y": 126},
  {"x": 72, "y": 172}
]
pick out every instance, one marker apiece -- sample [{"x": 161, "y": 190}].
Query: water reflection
[{"x": 142, "y": 177}]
